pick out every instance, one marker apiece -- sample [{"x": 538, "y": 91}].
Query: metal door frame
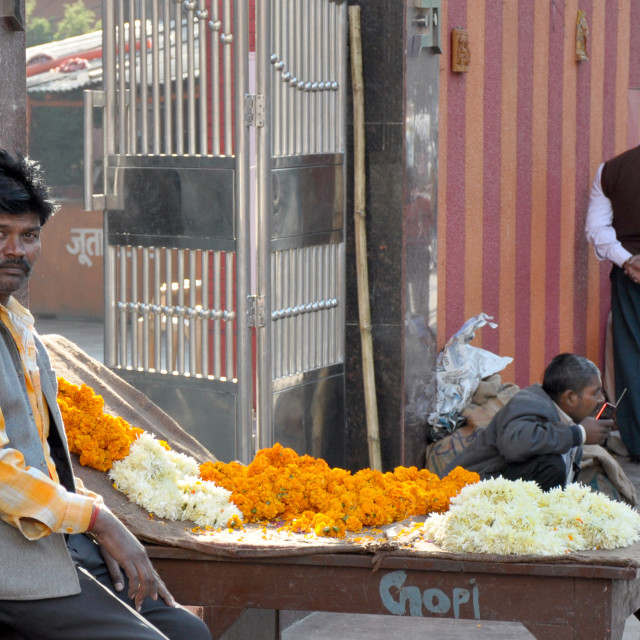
[{"x": 123, "y": 152}]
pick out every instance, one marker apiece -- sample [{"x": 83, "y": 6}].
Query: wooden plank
[{"x": 552, "y": 605}]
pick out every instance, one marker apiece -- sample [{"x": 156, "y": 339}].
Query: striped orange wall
[{"x": 521, "y": 136}]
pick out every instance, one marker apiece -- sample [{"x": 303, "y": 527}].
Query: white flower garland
[
  {"x": 515, "y": 517},
  {"x": 166, "y": 483}
]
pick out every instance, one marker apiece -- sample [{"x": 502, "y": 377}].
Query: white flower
[
  {"x": 166, "y": 483},
  {"x": 515, "y": 517}
]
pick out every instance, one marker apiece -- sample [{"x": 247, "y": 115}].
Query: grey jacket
[
  {"x": 528, "y": 425},
  {"x": 33, "y": 569}
]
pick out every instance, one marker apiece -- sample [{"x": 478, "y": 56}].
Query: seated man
[
  {"x": 538, "y": 435},
  {"x": 69, "y": 569}
]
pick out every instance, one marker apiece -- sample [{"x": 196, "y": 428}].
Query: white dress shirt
[{"x": 598, "y": 229}]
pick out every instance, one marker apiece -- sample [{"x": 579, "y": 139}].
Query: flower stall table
[
  {"x": 578, "y": 595},
  {"x": 554, "y": 601}
]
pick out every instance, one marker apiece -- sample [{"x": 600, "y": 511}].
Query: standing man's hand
[
  {"x": 632, "y": 268},
  {"x": 597, "y": 431},
  {"x": 121, "y": 549}
]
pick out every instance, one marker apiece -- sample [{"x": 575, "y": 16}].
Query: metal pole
[
  {"x": 217, "y": 305},
  {"x": 122, "y": 82},
  {"x": 313, "y": 76},
  {"x": 133, "y": 307},
  {"x": 300, "y": 260},
  {"x": 168, "y": 84},
  {"x": 155, "y": 78},
  {"x": 264, "y": 153},
  {"x": 202, "y": 15},
  {"x": 193, "y": 318},
  {"x": 189, "y": 8},
  {"x": 244, "y": 431},
  {"x": 293, "y": 301},
  {"x": 179, "y": 80},
  {"x": 123, "y": 307},
  {"x": 296, "y": 60},
  {"x": 181, "y": 308},
  {"x": 157, "y": 317},
  {"x": 206, "y": 307},
  {"x": 278, "y": 66},
  {"x": 168, "y": 304},
  {"x": 215, "y": 25},
  {"x": 144, "y": 86},
  {"x": 145, "y": 308},
  {"x": 228, "y": 41},
  {"x": 304, "y": 86}
]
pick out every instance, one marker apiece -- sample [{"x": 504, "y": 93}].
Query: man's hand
[
  {"x": 632, "y": 268},
  {"x": 597, "y": 431},
  {"x": 121, "y": 549}
]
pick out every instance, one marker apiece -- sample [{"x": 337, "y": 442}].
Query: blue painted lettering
[{"x": 395, "y": 596}]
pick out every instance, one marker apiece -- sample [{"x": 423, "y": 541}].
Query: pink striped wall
[{"x": 521, "y": 136}]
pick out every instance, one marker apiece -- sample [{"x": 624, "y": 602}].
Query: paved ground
[{"x": 324, "y": 626}]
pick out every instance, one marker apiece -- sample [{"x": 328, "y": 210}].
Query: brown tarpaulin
[{"x": 123, "y": 400}]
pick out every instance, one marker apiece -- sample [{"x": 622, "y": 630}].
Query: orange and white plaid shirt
[{"x": 31, "y": 501}]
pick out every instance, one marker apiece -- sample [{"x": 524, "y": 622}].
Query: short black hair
[
  {"x": 22, "y": 188},
  {"x": 568, "y": 371}
]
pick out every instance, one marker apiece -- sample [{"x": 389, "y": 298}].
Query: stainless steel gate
[{"x": 224, "y": 288}]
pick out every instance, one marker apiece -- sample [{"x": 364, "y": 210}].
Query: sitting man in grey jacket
[
  {"x": 69, "y": 569},
  {"x": 538, "y": 435}
]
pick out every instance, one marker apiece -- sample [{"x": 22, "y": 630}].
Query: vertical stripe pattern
[{"x": 515, "y": 175}]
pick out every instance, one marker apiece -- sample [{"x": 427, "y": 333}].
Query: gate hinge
[
  {"x": 255, "y": 311},
  {"x": 254, "y": 110}
]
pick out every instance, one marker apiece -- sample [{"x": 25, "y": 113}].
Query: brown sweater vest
[{"x": 621, "y": 184}]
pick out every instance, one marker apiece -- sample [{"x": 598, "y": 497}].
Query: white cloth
[{"x": 598, "y": 228}]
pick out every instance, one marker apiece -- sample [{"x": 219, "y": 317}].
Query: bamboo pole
[{"x": 359, "y": 201}]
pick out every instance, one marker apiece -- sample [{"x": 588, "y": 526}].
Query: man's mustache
[{"x": 16, "y": 262}]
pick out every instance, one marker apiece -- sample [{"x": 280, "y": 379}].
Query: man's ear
[{"x": 568, "y": 399}]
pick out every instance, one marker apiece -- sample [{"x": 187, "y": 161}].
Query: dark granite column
[
  {"x": 13, "y": 86},
  {"x": 401, "y": 113},
  {"x": 13, "y": 92}
]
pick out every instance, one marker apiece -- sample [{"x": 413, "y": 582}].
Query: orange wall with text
[{"x": 68, "y": 278}]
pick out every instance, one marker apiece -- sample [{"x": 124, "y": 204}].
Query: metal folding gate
[{"x": 223, "y": 186}]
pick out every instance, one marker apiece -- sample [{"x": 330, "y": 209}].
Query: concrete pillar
[
  {"x": 401, "y": 111},
  {"x": 13, "y": 86},
  {"x": 13, "y": 89}
]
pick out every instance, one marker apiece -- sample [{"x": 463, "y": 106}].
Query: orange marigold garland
[
  {"x": 310, "y": 496},
  {"x": 97, "y": 437},
  {"x": 302, "y": 491}
]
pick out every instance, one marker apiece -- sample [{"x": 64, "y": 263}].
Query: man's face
[
  {"x": 587, "y": 400},
  {"x": 19, "y": 250}
]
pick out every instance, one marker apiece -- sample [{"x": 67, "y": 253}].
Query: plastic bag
[{"x": 459, "y": 369}]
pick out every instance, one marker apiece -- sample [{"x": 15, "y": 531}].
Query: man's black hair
[
  {"x": 568, "y": 371},
  {"x": 22, "y": 189}
]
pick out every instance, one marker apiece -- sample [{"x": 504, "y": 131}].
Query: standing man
[
  {"x": 613, "y": 227},
  {"x": 69, "y": 569},
  {"x": 538, "y": 435}
]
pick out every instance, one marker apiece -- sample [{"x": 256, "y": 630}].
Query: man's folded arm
[{"x": 37, "y": 505}]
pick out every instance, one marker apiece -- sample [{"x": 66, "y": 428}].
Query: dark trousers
[
  {"x": 98, "y": 612},
  {"x": 625, "y": 325},
  {"x": 548, "y": 471}
]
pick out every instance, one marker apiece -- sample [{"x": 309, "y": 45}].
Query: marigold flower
[
  {"x": 310, "y": 496},
  {"x": 278, "y": 485},
  {"x": 97, "y": 437}
]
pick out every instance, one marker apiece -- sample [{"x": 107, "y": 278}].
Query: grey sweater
[
  {"x": 33, "y": 569},
  {"x": 528, "y": 425}
]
